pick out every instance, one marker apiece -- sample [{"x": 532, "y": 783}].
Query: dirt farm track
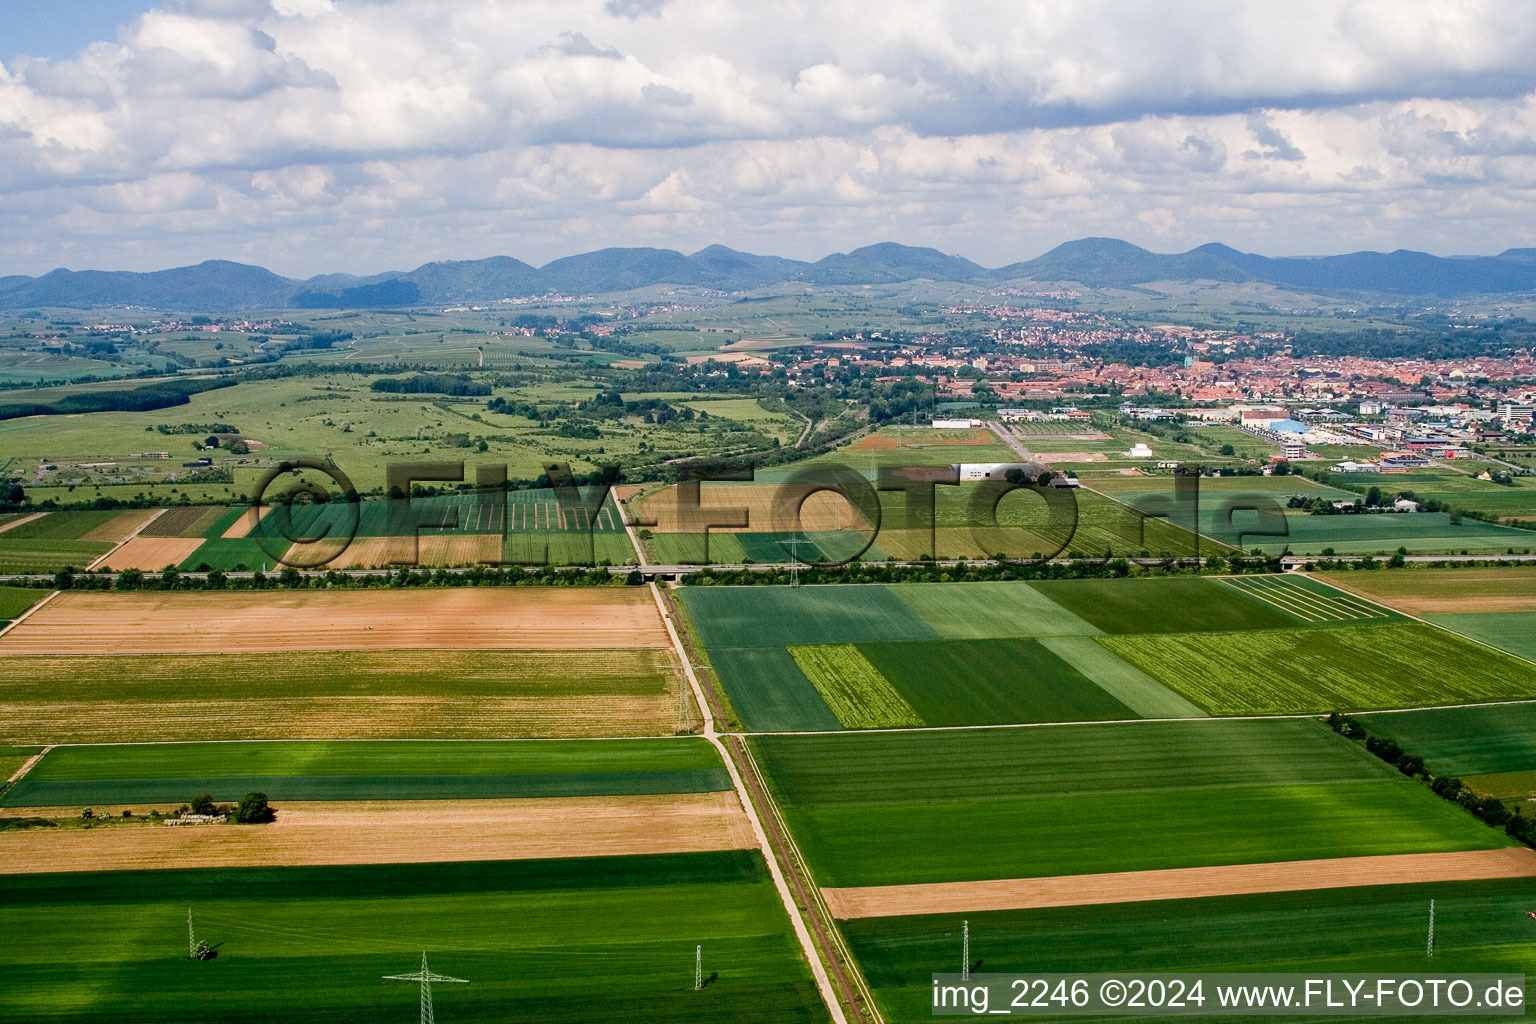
[
  {"x": 1178, "y": 883},
  {"x": 473, "y": 619}
]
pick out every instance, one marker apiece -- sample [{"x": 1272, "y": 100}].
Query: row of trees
[{"x": 1448, "y": 787}]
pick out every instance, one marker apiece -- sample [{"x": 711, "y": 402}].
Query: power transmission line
[{"x": 426, "y": 978}]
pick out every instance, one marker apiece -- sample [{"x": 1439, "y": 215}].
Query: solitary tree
[{"x": 254, "y": 810}]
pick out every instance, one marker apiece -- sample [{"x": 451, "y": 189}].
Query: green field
[
  {"x": 404, "y": 770},
  {"x": 12, "y": 758},
  {"x": 769, "y": 691},
  {"x": 47, "y": 556},
  {"x": 60, "y": 526},
  {"x": 1464, "y": 741},
  {"x": 991, "y": 682},
  {"x": 342, "y": 694},
  {"x": 599, "y": 939},
  {"x": 15, "y": 600},
  {"x": 1164, "y": 605},
  {"x": 1384, "y": 533},
  {"x": 779, "y": 616},
  {"x": 853, "y": 689},
  {"x": 955, "y": 653},
  {"x": 1514, "y": 632},
  {"x": 894, "y": 808},
  {"x": 983, "y": 610},
  {"x": 1289, "y": 671},
  {"x": 1479, "y": 927}
]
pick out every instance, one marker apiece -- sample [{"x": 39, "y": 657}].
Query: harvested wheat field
[
  {"x": 1178, "y": 883},
  {"x": 729, "y": 503},
  {"x": 150, "y": 553},
  {"x": 1444, "y": 591},
  {"x": 344, "y": 718},
  {"x": 396, "y": 832},
  {"x": 487, "y": 618},
  {"x": 434, "y": 694},
  {"x": 243, "y": 526},
  {"x": 122, "y": 526},
  {"x": 428, "y": 549}
]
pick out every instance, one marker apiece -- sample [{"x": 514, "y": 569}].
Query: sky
[{"x": 314, "y": 136}]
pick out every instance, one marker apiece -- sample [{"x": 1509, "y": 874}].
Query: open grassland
[
  {"x": 142, "y": 774},
  {"x": 16, "y": 600},
  {"x": 1286, "y": 671},
  {"x": 1479, "y": 927},
  {"x": 1164, "y": 605},
  {"x": 853, "y": 689},
  {"x": 1442, "y": 591},
  {"x": 492, "y": 618},
  {"x": 395, "y": 832},
  {"x": 339, "y": 695},
  {"x": 589, "y": 940},
  {"x": 900, "y": 808}
]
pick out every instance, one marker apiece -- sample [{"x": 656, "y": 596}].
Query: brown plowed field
[
  {"x": 396, "y": 832},
  {"x": 429, "y": 549},
  {"x": 151, "y": 553},
  {"x": 1178, "y": 883},
  {"x": 487, "y": 618},
  {"x": 1444, "y": 591},
  {"x": 243, "y": 526},
  {"x": 121, "y": 526},
  {"x": 824, "y": 510},
  {"x": 184, "y": 521}
]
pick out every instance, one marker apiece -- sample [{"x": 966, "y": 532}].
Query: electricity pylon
[{"x": 426, "y": 977}]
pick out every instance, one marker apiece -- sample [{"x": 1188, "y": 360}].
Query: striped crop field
[
  {"x": 1307, "y": 603},
  {"x": 1293, "y": 671},
  {"x": 857, "y": 693}
]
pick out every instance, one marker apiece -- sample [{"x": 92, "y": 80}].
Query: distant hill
[{"x": 1091, "y": 262}]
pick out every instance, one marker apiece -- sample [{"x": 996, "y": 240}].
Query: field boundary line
[
  {"x": 1436, "y": 625},
  {"x": 634, "y": 540},
  {"x": 17, "y": 522},
  {"x": 816, "y": 892},
  {"x": 24, "y": 616},
  {"x": 27, "y": 766},
  {"x": 118, "y": 546},
  {"x": 1345, "y": 604},
  {"x": 1272, "y": 599},
  {"x": 802, "y": 932}
]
